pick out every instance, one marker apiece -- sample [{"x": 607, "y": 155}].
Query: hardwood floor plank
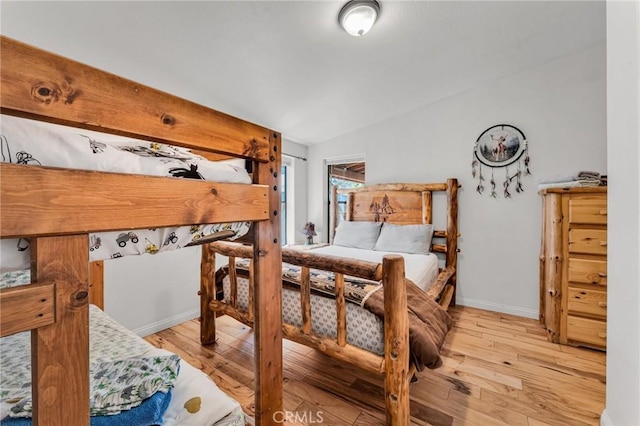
[
  {"x": 317, "y": 414},
  {"x": 531, "y": 373},
  {"x": 366, "y": 419},
  {"x": 429, "y": 415},
  {"x": 484, "y": 375},
  {"x": 547, "y": 348},
  {"x": 584, "y": 365},
  {"x": 497, "y": 369},
  {"x": 593, "y": 355},
  {"x": 534, "y": 422},
  {"x": 584, "y": 406},
  {"x": 478, "y": 347},
  {"x": 322, "y": 401},
  {"x": 598, "y": 373},
  {"x": 534, "y": 411},
  {"x": 494, "y": 411}
]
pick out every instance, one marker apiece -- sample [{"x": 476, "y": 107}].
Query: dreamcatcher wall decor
[{"x": 501, "y": 146}]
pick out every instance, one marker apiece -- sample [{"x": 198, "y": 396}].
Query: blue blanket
[{"x": 148, "y": 413}]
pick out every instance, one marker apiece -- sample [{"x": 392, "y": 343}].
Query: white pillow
[
  {"x": 414, "y": 239},
  {"x": 362, "y": 235}
]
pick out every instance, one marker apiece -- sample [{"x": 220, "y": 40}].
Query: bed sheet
[
  {"x": 195, "y": 398},
  {"x": 364, "y": 329},
  {"x": 24, "y": 141},
  {"x": 422, "y": 269}
]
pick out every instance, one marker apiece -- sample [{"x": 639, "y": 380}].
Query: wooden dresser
[{"x": 573, "y": 266}]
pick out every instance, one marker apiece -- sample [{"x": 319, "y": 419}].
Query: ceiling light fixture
[{"x": 358, "y": 16}]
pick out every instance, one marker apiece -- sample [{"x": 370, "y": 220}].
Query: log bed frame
[
  {"x": 405, "y": 204},
  {"x": 58, "y": 208}
]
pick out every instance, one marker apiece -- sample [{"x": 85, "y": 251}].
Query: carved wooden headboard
[{"x": 403, "y": 203}]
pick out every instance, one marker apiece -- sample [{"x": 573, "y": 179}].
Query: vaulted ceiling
[{"x": 288, "y": 65}]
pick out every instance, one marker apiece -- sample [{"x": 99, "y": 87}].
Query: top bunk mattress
[
  {"x": 31, "y": 142},
  {"x": 25, "y": 141}
]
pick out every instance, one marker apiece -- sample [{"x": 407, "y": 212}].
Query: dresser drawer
[
  {"x": 587, "y": 301},
  {"x": 588, "y": 210},
  {"x": 587, "y": 330},
  {"x": 587, "y": 271},
  {"x": 588, "y": 241}
]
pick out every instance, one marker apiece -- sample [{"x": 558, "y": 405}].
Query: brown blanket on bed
[{"x": 428, "y": 325}]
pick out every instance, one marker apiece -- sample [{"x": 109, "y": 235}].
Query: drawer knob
[
  {"x": 603, "y": 243},
  {"x": 603, "y": 212},
  {"x": 602, "y": 334},
  {"x": 602, "y": 274},
  {"x": 602, "y": 304}
]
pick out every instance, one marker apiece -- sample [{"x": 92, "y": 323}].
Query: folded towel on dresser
[
  {"x": 581, "y": 176},
  {"x": 570, "y": 184}
]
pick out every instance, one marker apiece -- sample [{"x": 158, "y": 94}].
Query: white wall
[
  {"x": 149, "y": 293},
  {"x": 297, "y": 216},
  {"x": 623, "y": 316},
  {"x": 561, "y": 108}
]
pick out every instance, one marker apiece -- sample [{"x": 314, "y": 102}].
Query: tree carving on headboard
[{"x": 381, "y": 210}]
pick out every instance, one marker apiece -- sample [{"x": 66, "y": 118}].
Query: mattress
[
  {"x": 24, "y": 141},
  {"x": 195, "y": 398},
  {"x": 364, "y": 329}
]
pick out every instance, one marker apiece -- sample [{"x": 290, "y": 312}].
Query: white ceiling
[{"x": 288, "y": 65}]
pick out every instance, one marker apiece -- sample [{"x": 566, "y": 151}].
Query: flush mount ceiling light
[{"x": 358, "y": 16}]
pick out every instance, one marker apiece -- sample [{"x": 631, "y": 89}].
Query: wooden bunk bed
[
  {"x": 58, "y": 208},
  {"x": 405, "y": 204}
]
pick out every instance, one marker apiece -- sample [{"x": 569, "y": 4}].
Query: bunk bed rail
[{"x": 44, "y": 86}]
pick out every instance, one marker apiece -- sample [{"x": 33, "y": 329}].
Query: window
[
  {"x": 287, "y": 202},
  {"x": 283, "y": 203},
  {"x": 344, "y": 175}
]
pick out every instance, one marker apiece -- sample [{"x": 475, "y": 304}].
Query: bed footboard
[{"x": 395, "y": 363}]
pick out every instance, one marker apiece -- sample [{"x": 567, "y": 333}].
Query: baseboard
[
  {"x": 604, "y": 419},
  {"x": 497, "y": 307},
  {"x": 166, "y": 323}
]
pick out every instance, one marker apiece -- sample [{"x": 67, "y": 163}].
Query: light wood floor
[{"x": 498, "y": 370}]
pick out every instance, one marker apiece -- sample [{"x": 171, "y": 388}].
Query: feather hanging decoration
[
  {"x": 499, "y": 147},
  {"x": 494, "y": 194},
  {"x": 506, "y": 183},
  {"x": 519, "y": 187},
  {"x": 474, "y": 163},
  {"x": 480, "y": 187},
  {"x": 526, "y": 156}
]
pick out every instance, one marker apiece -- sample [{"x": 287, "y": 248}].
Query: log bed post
[
  {"x": 267, "y": 270},
  {"x": 60, "y": 378},
  {"x": 396, "y": 344},
  {"x": 553, "y": 276},
  {"x": 452, "y": 233},
  {"x": 207, "y": 295}
]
